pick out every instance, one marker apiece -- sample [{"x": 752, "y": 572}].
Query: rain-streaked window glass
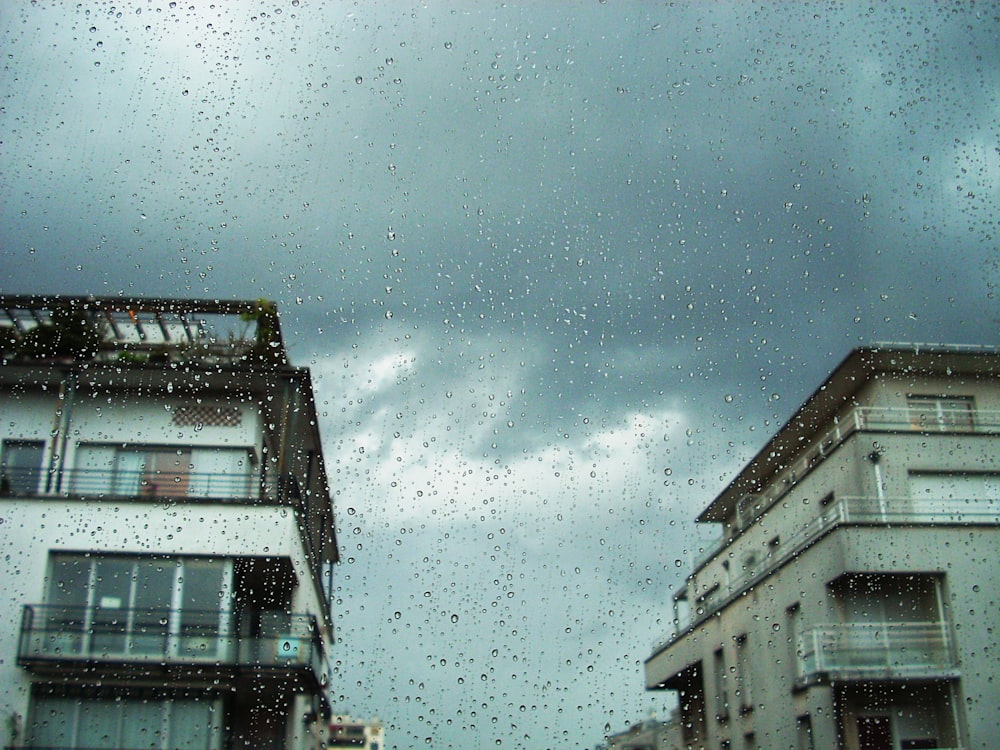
[{"x": 652, "y": 373}]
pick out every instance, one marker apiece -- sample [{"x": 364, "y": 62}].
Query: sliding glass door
[
  {"x": 136, "y": 606},
  {"x": 188, "y": 723}
]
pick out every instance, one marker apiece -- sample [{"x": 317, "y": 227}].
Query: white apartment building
[
  {"x": 852, "y": 599},
  {"x": 166, "y": 529}
]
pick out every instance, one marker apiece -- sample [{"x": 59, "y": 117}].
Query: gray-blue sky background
[{"x": 559, "y": 272}]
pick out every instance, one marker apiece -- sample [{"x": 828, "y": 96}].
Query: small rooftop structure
[{"x": 141, "y": 329}]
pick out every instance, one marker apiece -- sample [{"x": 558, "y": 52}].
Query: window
[
  {"x": 744, "y": 671},
  {"x": 720, "y": 676},
  {"x": 804, "y": 733},
  {"x": 941, "y": 413},
  {"x": 162, "y": 471},
  {"x": 121, "y": 605},
  {"x": 793, "y": 626},
  {"x": 891, "y": 598},
  {"x": 159, "y": 472},
  {"x": 874, "y": 732},
  {"x": 21, "y": 466},
  {"x": 132, "y": 471},
  {"x": 157, "y": 723},
  {"x": 351, "y": 735}
]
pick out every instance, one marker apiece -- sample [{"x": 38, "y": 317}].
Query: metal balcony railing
[
  {"x": 861, "y": 511},
  {"x": 878, "y": 419},
  {"x": 53, "y": 635},
  {"x": 873, "y": 650},
  {"x": 859, "y": 419},
  {"x": 134, "y": 484}
]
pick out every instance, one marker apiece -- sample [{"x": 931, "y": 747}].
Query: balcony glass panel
[
  {"x": 86, "y": 634},
  {"x": 877, "y": 649}
]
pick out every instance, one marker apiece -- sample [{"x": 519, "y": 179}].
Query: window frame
[{"x": 9, "y": 448}]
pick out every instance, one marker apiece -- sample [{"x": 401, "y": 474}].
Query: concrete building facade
[
  {"x": 852, "y": 599},
  {"x": 166, "y": 528}
]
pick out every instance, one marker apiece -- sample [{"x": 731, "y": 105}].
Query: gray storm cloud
[{"x": 559, "y": 270}]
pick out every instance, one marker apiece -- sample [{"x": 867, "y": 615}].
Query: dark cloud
[{"x": 559, "y": 270}]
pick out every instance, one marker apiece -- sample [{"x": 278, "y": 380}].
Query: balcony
[
  {"x": 115, "y": 483},
  {"x": 876, "y": 651},
  {"x": 843, "y": 511},
  {"x": 121, "y": 641},
  {"x": 859, "y": 419}
]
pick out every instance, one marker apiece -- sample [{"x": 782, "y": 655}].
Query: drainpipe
[
  {"x": 60, "y": 431},
  {"x": 875, "y": 457},
  {"x": 284, "y": 437}
]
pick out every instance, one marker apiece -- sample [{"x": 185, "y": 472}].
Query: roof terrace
[{"x": 140, "y": 330}]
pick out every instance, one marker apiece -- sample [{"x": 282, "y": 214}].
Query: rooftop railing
[
  {"x": 53, "y": 635},
  {"x": 873, "y": 650},
  {"x": 841, "y": 511}
]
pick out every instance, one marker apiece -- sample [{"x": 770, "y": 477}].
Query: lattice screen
[{"x": 208, "y": 416}]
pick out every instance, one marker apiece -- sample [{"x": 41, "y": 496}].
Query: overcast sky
[{"x": 559, "y": 271}]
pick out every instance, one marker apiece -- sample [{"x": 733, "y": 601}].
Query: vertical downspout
[
  {"x": 329, "y": 597},
  {"x": 60, "y": 432},
  {"x": 283, "y": 439},
  {"x": 875, "y": 457}
]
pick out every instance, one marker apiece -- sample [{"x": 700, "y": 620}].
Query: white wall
[{"x": 30, "y": 529}]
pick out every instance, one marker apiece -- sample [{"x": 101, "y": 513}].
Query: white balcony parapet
[
  {"x": 58, "y": 637},
  {"x": 867, "y": 418},
  {"x": 859, "y": 419},
  {"x": 859, "y": 511},
  {"x": 876, "y": 650}
]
